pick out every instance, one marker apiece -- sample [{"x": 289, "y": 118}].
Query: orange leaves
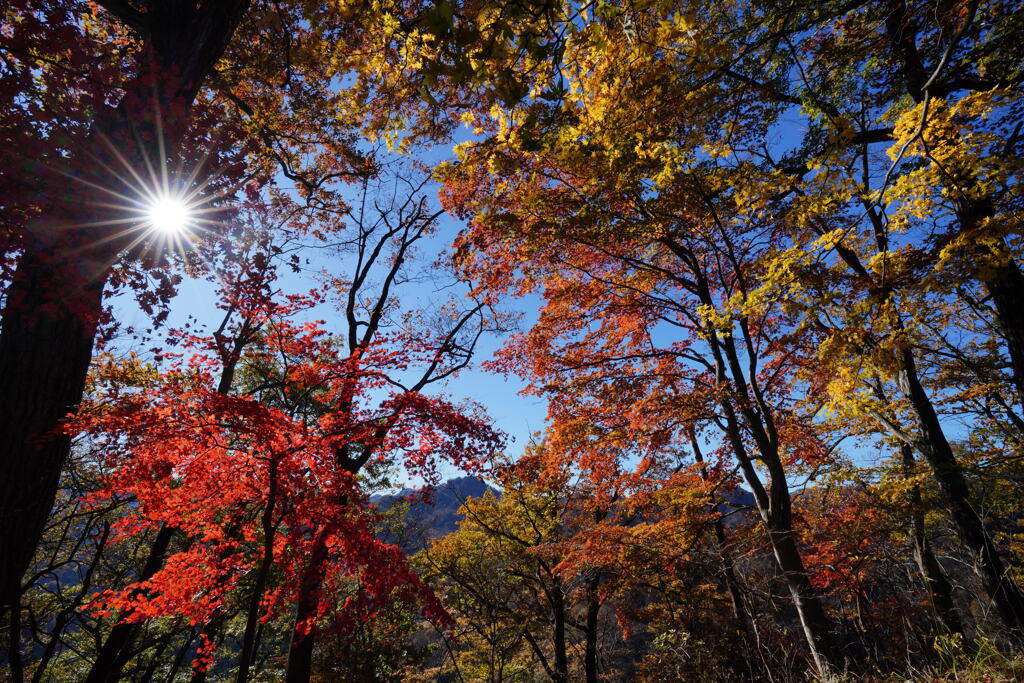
[{"x": 847, "y": 537}]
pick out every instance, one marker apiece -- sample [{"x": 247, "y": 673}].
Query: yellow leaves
[
  {"x": 678, "y": 28},
  {"x": 128, "y": 371},
  {"x": 888, "y": 263},
  {"x": 983, "y": 247},
  {"x": 461, "y": 152},
  {"x": 787, "y": 277},
  {"x": 714, "y": 319},
  {"x": 668, "y": 159},
  {"x": 822, "y": 196},
  {"x": 963, "y": 154},
  {"x": 754, "y": 188},
  {"x": 389, "y": 25}
]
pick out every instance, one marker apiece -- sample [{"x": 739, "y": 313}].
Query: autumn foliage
[{"x": 761, "y": 262}]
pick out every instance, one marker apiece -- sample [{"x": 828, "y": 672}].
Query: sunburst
[{"x": 170, "y": 215}]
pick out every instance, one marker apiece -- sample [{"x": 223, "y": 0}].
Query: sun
[{"x": 169, "y": 215}]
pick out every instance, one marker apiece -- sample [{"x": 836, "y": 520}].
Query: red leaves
[
  {"x": 204, "y": 653},
  {"x": 224, "y": 468}
]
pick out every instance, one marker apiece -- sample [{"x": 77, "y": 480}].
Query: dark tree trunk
[
  {"x": 300, "y": 653},
  {"x": 561, "y": 672},
  {"x": 214, "y": 630},
  {"x": 593, "y": 612},
  {"x": 1004, "y": 593},
  {"x": 1006, "y": 287},
  {"x": 1004, "y": 284},
  {"x": 114, "y": 653},
  {"x": 55, "y": 297},
  {"x": 15, "y": 666},
  {"x": 179, "y": 657},
  {"x": 116, "y": 649},
  {"x": 940, "y": 591},
  {"x": 53, "y": 305}
]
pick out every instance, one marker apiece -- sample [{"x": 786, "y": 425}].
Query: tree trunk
[
  {"x": 1004, "y": 284},
  {"x": 558, "y": 635},
  {"x": 113, "y": 655},
  {"x": 300, "y": 654},
  {"x": 55, "y": 298},
  {"x": 14, "y": 662},
  {"x": 940, "y": 591},
  {"x": 816, "y": 626},
  {"x": 53, "y": 305},
  {"x": 775, "y": 506},
  {"x": 1006, "y": 287},
  {"x": 932, "y": 443},
  {"x": 115, "y": 652},
  {"x": 593, "y": 612},
  {"x": 214, "y": 630},
  {"x": 739, "y": 609}
]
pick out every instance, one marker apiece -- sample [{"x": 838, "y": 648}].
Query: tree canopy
[{"x": 761, "y": 260}]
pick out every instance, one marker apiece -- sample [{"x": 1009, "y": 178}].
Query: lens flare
[{"x": 169, "y": 215}]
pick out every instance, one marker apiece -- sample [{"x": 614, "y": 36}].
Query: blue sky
[{"x": 516, "y": 415}]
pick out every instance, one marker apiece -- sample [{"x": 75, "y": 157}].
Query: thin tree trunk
[
  {"x": 180, "y": 657},
  {"x": 732, "y": 584},
  {"x": 773, "y": 503},
  {"x": 593, "y": 612},
  {"x": 775, "y": 506},
  {"x": 931, "y": 440},
  {"x": 156, "y": 660},
  {"x": 256, "y": 598},
  {"x": 214, "y": 629},
  {"x": 739, "y": 609},
  {"x": 115, "y": 652},
  {"x": 300, "y": 653},
  {"x": 940, "y": 591},
  {"x": 65, "y": 615}
]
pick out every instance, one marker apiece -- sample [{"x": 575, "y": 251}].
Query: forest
[{"x": 511, "y": 341}]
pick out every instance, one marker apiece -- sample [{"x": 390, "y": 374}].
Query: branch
[{"x": 123, "y": 11}]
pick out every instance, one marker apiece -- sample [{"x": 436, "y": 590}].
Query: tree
[
  {"x": 585, "y": 146},
  {"x": 513, "y": 610},
  {"x": 110, "y": 106},
  {"x": 78, "y": 109},
  {"x": 266, "y": 484}
]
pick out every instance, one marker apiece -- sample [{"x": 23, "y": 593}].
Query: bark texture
[{"x": 54, "y": 301}]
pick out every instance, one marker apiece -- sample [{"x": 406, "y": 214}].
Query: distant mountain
[
  {"x": 429, "y": 520},
  {"x": 739, "y": 507},
  {"x": 438, "y": 517}
]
